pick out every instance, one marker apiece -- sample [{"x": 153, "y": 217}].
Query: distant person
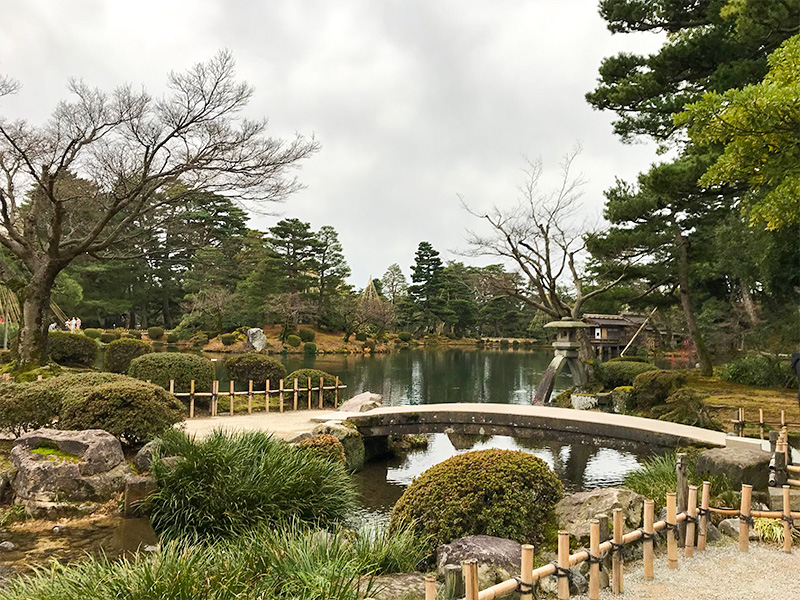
[
  {"x": 78, "y": 323},
  {"x": 53, "y": 327}
]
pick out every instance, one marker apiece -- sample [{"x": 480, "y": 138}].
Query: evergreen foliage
[
  {"x": 302, "y": 376},
  {"x": 761, "y": 371},
  {"x": 616, "y": 374},
  {"x": 120, "y": 353},
  {"x": 155, "y": 333},
  {"x": 256, "y": 367},
  {"x": 71, "y": 349},
  {"x": 161, "y": 367}
]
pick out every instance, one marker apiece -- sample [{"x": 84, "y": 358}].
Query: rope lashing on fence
[
  {"x": 673, "y": 527},
  {"x": 615, "y": 547},
  {"x": 596, "y": 560},
  {"x": 525, "y": 588},
  {"x": 562, "y": 571},
  {"x": 747, "y": 519}
]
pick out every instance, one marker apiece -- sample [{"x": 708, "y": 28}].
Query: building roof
[{"x": 607, "y": 320}]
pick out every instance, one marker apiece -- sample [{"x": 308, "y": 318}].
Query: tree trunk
[
  {"x": 749, "y": 304},
  {"x": 703, "y": 356},
  {"x": 35, "y": 302}
]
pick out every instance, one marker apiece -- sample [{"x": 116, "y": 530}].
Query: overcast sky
[{"x": 414, "y": 102}]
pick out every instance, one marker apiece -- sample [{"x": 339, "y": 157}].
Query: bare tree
[
  {"x": 77, "y": 184},
  {"x": 542, "y": 235}
]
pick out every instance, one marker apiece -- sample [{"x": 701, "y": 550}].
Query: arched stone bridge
[{"x": 528, "y": 421}]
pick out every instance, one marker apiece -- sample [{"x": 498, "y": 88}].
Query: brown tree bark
[
  {"x": 34, "y": 299},
  {"x": 706, "y": 368}
]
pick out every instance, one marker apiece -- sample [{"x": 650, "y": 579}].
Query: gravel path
[{"x": 721, "y": 572}]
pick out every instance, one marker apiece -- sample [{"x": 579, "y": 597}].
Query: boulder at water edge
[
  {"x": 576, "y": 510},
  {"x": 739, "y": 464},
  {"x": 362, "y": 403},
  {"x": 71, "y": 472},
  {"x": 498, "y": 558},
  {"x": 256, "y": 338},
  {"x": 351, "y": 439}
]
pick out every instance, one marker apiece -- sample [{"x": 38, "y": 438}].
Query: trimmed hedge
[
  {"x": 74, "y": 349},
  {"x": 504, "y": 493},
  {"x": 654, "y": 387},
  {"x": 107, "y": 337},
  {"x": 616, "y": 374},
  {"x": 307, "y": 335},
  {"x": 325, "y": 446},
  {"x": 294, "y": 341},
  {"x": 228, "y": 339},
  {"x": 404, "y": 336},
  {"x": 310, "y": 348},
  {"x": 258, "y": 367},
  {"x": 760, "y": 371},
  {"x": 302, "y": 376},
  {"x": 120, "y": 353},
  {"x": 172, "y": 338},
  {"x": 361, "y": 336},
  {"x": 160, "y": 367},
  {"x": 628, "y": 359},
  {"x": 93, "y": 333},
  {"x": 155, "y": 333}
]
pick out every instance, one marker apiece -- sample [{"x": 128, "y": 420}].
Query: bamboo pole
[
  {"x": 280, "y": 393},
  {"x": 215, "y": 396},
  {"x": 266, "y": 395},
  {"x": 616, "y": 557},
  {"x": 336, "y": 393},
  {"x": 594, "y": 568},
  {"x": 191, "y": 397},
  {"x": 783, "y": 419},
  {"x": 526, "y": 570},
  {"x": 563, "y": 563},
  {"x": 690, "y": 525},
  {"x": 321, "y": 385},
  {"x": 647, "y": 545},
  {"x": 682, "y": 498},
  {"x": 308, "y": 387},
  {"x": 702, "y": 529},
  {"x": 470, "y": 567},
  {"x": 761, "y": 423},
  {"x": 742, "y": 422},
  {"x": 250, "y": 397},
  {"x": 294, "y": 403},
  {"x": 233, "y": 397},
  {"x": 787, "y": 526},
  {"x": 744, "y": 512},
  {"x": 672, "y": 540},
  {"x": 430, "y": 587},
  {"x": 171, "y": 386}
]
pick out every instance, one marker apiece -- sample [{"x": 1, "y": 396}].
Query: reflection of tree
[{"x": 579, "y": 457}]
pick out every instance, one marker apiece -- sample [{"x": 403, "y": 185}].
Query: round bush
[
  {"x": 307, "y": 335},
  {"x": 258, "y": 367},
  {"x": 404, "y": 336},
  {"x": 172, "y": 338},
  {"x": 228, "y": 339},
  {"x": 120, "y": 353},
  {"x": 616, "y": 374},
  {"x": 504, "y": 493},
  {"x": 302, "y": 375},
  {"x": 294, "y": 341},
  {"x": 361, "y": 336},
  {"x": 310, "y": 348},
  {"x": 628, "y": 359},
  {"x": 155, "y": 333},
  {"x": 137, "y": 335},
  {"x": 325, "y": 446},
  {"x": 74, "y": 349},
  {"x": 199, "y": 339},
  {"x": 654, "y": 387},
  {"x": 131, "y": 410},
  {"x": 93, "y": 333},
  {"x": 160, "y": 367},
  {"x": 107, "y": 337}
]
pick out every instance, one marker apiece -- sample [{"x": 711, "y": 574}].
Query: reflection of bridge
[{"x": 528, "y": 421}]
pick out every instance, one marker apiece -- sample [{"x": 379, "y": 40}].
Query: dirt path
[{"x": 285, "y": 425}]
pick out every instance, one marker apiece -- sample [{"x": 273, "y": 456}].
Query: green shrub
[
  {"x": 6, "y": 356},
  {"x": 361, "y": 336},
  {"x": 120, "y": 353},
  {"x": 136, "y": 335},
  {"x": 654, "y": 387},
  {"x": 310, "y": 348},
  {"x": 628, "y": 358},
  {"x": 370, "y": 345},
  {"x": 160, "y": 367},
  {"x": 307, "y": 335},
  {"x": 93, "y": 333},
  {"x": 302, "y": 375},
  {"x": 686, "y": 406},
  {"x": 73, "y": 349},
  {"x": 404, "y": 336},
  {"x": 258, "y": 367},
  {"x": 505, "y": 493},
  {"x": 107, "y": 337},
  {"x": 228, "y": 339},
  {"x": 199, "y": 339},
  {"x": 155, "y": 333},
  {"x": 227, "y": 484},
  {"x": 131, "y": 410},
  {"x": 326, "y": 446},
  {"x": 294, "y": 341},
  {"x": 760, "y": 371},
  {"x": 172, "y": 338},
  {"x": 615, "y": 374}
]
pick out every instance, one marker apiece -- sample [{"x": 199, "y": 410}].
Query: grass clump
[{"x": 771, "y": 530}]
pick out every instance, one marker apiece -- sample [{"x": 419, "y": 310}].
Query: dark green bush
[
  {"x": 228, "y": 339},
  {"x": 325, "y": 446},
  {"x": 370, "y": 345},
  {"x": 361, "y": 336},
  {"x": 229, "y": 483},
  {"x": 628, "y": 358},
  {"x": 404, "y": 336},
  {"x": 258, "y": 367},
  {"x": 120, "y": 353},
  {"x": 73, "y": 349},
  {"x": 686, "y": 406},
  {"x": 504, "y": 493},
  {"x": 307, "y": 335},
  {"x": 155, "y": 333},
  {"x": 294, "y": 341},
  {"x": 310, "y": 348},
  {"x": 302, "y": 376},
  {"x": 6, "y": 356},
  {"x": 654, "y": 387},
  {"x": 160, "y": 367},
  {"x": 615, "y": 374},
  {"x": 93, "y": 333},
  {"x": 760, "y": 371},
  {"x": 199, "y": 339},
  {"x": 172, "y": 338},
  {"x": 131, "y": 410},
  {"x": 107, "y": 337},
  {"x": 136, "y": 335}
]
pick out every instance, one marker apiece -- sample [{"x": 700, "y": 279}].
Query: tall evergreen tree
[{"x": 426, "y": 292}]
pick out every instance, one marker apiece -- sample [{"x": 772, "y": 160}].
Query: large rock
[
  {"x": 498, "y": 558},
  {"x": 256, "y": 338},
  {"x": 351, "y": 439},
  {"x": 730, "y": 527},
  {"x": 577, "y": 584},
  {"x": 88, "y": 468},
  {"x": 739, "y": 464},
  {"x": 362, "y": 403},
  {"x": 576, "y": 510}
]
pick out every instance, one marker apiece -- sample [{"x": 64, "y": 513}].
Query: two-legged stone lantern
[{"x": 566, "y": 348}]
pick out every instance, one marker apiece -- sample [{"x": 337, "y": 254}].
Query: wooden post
[
  {"x": 672, "y": 541},
  {"x": 742, "y": 422},
  {"x": 233, "y": 397},
  {"x": 563, "y": 563},
  {"x": 215, "y": 396},
  {"x": 321, "y": 386},
  {"x": 604, "y": 536},
  {"x": 744, "y": 514},
  {"x": 470, "y": 567},
  {"x": 702, "y": 529},
  {"x": 691, "y": 513},
  {"x": 336, "y": 393},
  {"x": 773, "y": 440},
  {"x": 647, "y": 544},
  {"x": 191, "y": 397},
  {"x": 308, "y": 387},
  {"x": 526, "y": 570},
  {"x": 761, "y": 423},
  {"x": 294, "y": 404},
  {"x": 266, "y": 395},
  {"x": 212, "y": 401},
  {"x": 280, "y": 393},
  {"x": 616, "y": 558},
  {"x": 783, "y": 419},
  {"x": 453, "y": 581},
  {"x": 681, "y": 472},
  {"x": 594, "y": 567},
  {"x": 171, "y": 386},
  {"x": 787, "y": 526},
  {"x": 430, "y": 587}
]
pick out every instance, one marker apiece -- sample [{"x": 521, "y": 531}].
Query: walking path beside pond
[{"x": 284, "y": 425}]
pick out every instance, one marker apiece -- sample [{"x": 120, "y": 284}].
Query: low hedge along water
[
  {"x": 302, "y": 376},
  {"x": 258, "y": 367},
  {"x": 504, "y": 493},
  {"x": 160, "y": 367}
]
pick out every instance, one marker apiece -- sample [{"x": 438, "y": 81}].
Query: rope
[
  {"x": 615, "y": 547},
  {"x": 747, "y": 519},
  {"x": 562, "y": 572},
  {"x": 702, "y": 512},
  {"x": 647, "y": 536},
  {"x": 690, "y": 519},
  {"x": 789, "y": 519},
  {"x": 674, "y": 528},
  {"x": 524, "y": 588},
  {"x": 596, "y": 560}
]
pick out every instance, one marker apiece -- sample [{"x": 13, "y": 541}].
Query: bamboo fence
[
  {"x": 782, "y": 471},
  {"x": 739, "y": 422}
]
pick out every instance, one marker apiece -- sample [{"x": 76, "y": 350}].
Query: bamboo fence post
[
  {"x": 308, "y": 387},
  {"x": 39, "y": 378},
  {"x": 702, "y": 529},
  {"x": 691, "y": 514},
  {"x": 563, "y": 565},
  {"x": 761, "y": 423},
  {"x": 213, "y": 399},
  {"x": 232, "y": 396},
  {"x": 616, "y": 557},
  {"x": 681, "y": 472},
  {"x": 430, "y": 587},
  {"x": 787, "y": 521},
  {"x": 321, "y": 386},
  {"x": 336, "y": 393},
  {"x": 783, "y": 419},
  {"x": 742, "y": 422},
  {"x": 647, "y": 544},
  {"x": 191, "y": 398},
  {"x": 773, "y": 440},
  {"x": 672, "y": 538},
  {"x": 526, "y": 571},
  {"x": 294, "y": 403},
  {"x": 470, "y": 567},
  {"x": 250, "y": 397},
  {"x": 171, "y": 386},
  {"x": 280, "y": 393},
  {"x": 604, "y": 536},
  {"x": 266, "y": 396},
  {"x": 744, "y": 518},
  {"x": 594, "y": 567}
]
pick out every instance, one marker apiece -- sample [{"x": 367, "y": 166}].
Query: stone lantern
[{"x": 565, "y": 348}]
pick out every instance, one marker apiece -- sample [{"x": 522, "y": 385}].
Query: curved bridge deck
[{"x": 528, "y": 421}]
